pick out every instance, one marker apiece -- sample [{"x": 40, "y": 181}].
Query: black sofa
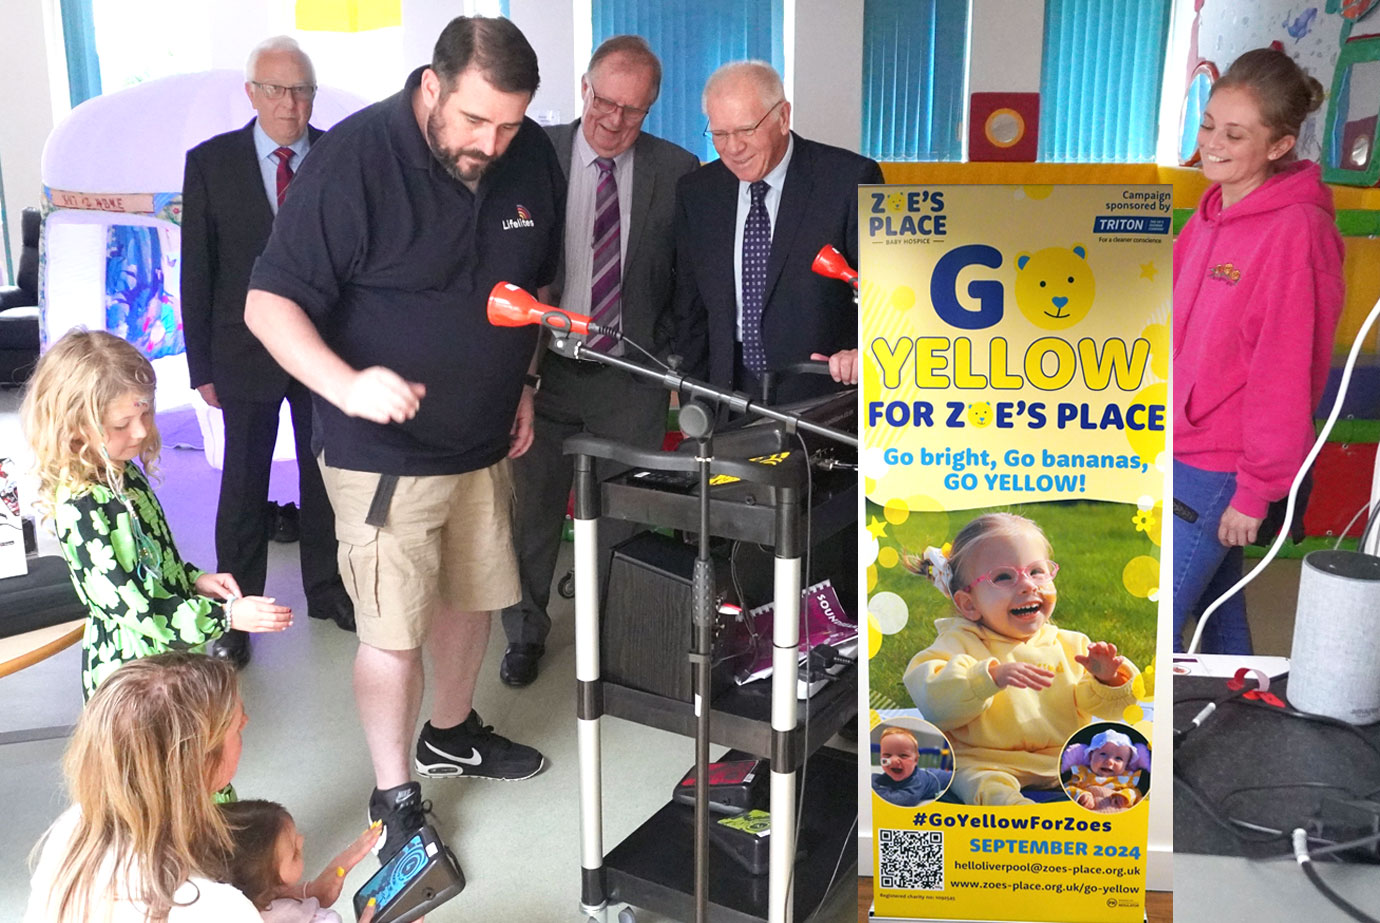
[{"x": 19, "y": 308}]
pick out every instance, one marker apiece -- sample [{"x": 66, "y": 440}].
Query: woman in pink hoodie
[{"x": 1257, "y": 293}]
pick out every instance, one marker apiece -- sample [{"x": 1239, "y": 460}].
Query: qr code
[{"x": 911, "y": 860}]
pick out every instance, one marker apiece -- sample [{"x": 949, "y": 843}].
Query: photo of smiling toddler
[
  {"x": 902, "y": 781},
  {"x": 1006, "y": 685}
]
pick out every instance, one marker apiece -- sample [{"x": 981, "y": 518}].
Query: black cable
[
  {"x": 805, "y": 742},
  {"x": 1306, "y": 863},
  {"x": 643, "y": 351}
]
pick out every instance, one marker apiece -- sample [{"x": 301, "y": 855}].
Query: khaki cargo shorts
[{"x": 448, "y": 542}]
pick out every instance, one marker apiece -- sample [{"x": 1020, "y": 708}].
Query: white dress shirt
[{"x": 268, "y": 164}]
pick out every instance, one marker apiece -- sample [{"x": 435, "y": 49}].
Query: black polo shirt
[{"x": 393, "y": 260}]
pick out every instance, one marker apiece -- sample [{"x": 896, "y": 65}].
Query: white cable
[
  {"x": 1341, "y": 536},
  {"x": 1298, "y": 479}
]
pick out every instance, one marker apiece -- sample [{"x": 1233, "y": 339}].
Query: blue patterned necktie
[
  {"x": 756, "y": 249},
  {"x": 606, "y": 271}
]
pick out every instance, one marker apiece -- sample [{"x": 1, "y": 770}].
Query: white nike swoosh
[{"x": 473, "y": 760}]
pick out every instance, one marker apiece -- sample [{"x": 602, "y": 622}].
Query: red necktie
[{"x": 284, "y": 155}]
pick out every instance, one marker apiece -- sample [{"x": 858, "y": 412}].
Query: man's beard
[{"x": 449, "y": 158}]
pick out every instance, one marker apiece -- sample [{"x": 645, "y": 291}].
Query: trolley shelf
[
  {"x": 741, "y": 716},
  {"x": 654, "y": 868}
]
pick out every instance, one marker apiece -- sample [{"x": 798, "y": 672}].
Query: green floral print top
[{"x": 138, "y": 591}]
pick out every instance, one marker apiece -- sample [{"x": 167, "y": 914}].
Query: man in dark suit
[
  {"x": 617, "y": 268},
  {"x": 748, "y": 227},
  {"x": 231, "y": 191}
]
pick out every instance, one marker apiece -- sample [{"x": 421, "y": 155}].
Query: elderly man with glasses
[
  {"x": 616, "y": 267},
  {"x": 748, "y": 227},
  {"x": 231, "y": 191}
]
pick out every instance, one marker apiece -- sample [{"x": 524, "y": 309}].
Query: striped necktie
[
  {"x": 756, "y": 249},
  {"x": 284, "y": 155},
  {"x": 605, "y": 299}
]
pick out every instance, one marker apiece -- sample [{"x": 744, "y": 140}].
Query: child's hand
[
  {"x": 220, "y": 586},
  {"x": 259, "y": 613},
  {"x": 326, "y": 887},
  {"x": 1021, "y": 675},
  {"x": 1086, "y": 800},
  {"x": 1102, "y": 661}
]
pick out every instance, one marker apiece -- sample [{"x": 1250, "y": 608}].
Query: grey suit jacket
[{"x": 649, "y": 268}]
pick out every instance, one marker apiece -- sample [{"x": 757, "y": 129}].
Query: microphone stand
[
  {"x": 697, "y": 423},
  {"x": 676, "y": 381}
]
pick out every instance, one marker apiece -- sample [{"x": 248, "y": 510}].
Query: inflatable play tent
[{"x": 110, "y": 254}]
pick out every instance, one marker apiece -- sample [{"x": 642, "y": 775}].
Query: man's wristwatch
[{"x": 532, "y": 381}]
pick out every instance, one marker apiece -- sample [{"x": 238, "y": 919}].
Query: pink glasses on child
[{"x": 1005, "y": 577}]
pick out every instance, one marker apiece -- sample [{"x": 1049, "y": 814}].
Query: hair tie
[{"x": 932, "y": 565}]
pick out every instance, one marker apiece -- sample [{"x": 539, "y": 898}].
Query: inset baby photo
[
  {"x": 1106, "y": 767},
  {"x": 912, "y": 762}
]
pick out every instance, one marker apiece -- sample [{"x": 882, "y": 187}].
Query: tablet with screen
[{"x": 420, "y": 876}]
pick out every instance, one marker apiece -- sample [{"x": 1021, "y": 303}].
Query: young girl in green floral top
[{"x": 88, "y": 413}]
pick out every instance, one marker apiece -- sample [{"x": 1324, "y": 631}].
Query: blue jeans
[{"x": 1204, "y": 568}]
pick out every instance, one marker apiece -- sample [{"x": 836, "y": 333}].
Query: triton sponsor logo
[{"x": 523, "y": 220}]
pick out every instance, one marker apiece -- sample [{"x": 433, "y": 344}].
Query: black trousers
[
  {"x": 575, "y": 397},
  {"x": 242, "y": 530}
]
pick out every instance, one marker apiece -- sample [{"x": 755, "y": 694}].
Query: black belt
[{"x": 383, "y": 498}]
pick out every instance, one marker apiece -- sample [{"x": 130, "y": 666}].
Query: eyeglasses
[
  {"x": 301, "y": 92},
  {"x": 1004, "y": 578},
  {"x": 603, "y": 106},
  {"x": 720, "y": 136}
]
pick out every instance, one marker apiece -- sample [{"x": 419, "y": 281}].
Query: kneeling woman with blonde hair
[{"x": 143, "y": 840}]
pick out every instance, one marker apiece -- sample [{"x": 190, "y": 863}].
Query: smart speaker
[{"x": 1334, "y": 668}]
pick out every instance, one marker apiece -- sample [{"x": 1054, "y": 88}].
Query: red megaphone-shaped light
[
  {"x": 830, "y": 262},
  {"x": 511, "y": 306}
]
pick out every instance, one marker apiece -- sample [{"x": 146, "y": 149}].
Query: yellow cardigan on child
[{"x": 1020, "y": 732}]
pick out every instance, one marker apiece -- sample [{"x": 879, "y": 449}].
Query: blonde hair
[
  {"x": 894, "y": 731},
  {"x": 984, "y": 527},
  {"x": 140, "y": 765},
  {"x": 64, "y": 409}
]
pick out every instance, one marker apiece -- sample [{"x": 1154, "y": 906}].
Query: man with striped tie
[
  {"x": 617, "y": 268},
  {"x": 231, "y": 191}
]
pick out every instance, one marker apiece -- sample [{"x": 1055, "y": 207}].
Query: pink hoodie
[{"x": 1257, "y": 292}]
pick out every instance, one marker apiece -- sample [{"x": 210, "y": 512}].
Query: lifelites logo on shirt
[{"x": 523, "y": 220}]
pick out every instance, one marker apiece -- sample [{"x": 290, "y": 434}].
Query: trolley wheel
[
  {"x": 626, "y": 915},
  {"x": 567, "y": 586}
]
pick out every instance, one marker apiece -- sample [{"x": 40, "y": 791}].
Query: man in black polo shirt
[{"x": 372, "y": 291}]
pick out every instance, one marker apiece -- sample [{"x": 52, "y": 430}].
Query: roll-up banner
[{"x": 1016, "y": 350}]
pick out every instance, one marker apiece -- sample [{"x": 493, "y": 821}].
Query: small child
[
  {"x": 88, "y": 413},
  {"x": 1106, "y": 774},
  {"x": 266, "y": 864},
  {"x": 1005, "y": 685},
  {"x": 901, "y": 782}
]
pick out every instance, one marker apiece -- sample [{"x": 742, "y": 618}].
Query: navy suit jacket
[
  {"x": 802, "y": 312},
  {"x": 226, "y": 220}
]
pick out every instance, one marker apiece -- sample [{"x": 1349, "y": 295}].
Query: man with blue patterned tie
[
  {"x": 763, "y": 210},
  {"x": 231, "y": 191},
  {"x": 617, "y": 268}
]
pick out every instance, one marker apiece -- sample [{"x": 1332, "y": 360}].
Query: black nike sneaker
[{"x": 472, "y": 749}]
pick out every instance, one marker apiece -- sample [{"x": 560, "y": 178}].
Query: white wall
[
  {"x": 26, "y": 111},
  {"x": 826, "y": 99},
  {"x": 1006, "y": 46}
]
